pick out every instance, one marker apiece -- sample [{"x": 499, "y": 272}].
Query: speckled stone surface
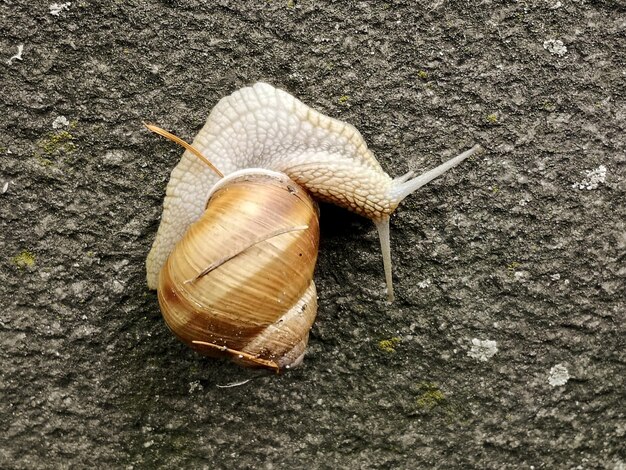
[{"x": 505, "y": 347}]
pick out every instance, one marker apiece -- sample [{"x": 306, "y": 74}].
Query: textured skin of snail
[{"x": 240, "y": 281}]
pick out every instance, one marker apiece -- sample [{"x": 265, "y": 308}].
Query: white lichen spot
[
  {"x": 593, "y": 178},
  {"x": 195, "y": 386},
  {"x": 618, "y": 465},
  {"x": 18, "y": 56},
  {"x": 57, "y": 8},
  {"x": 59, "y": 122},
  {"x": 558, "y": 375},
  {"x": 555, "y": 46},
  {"x": 521, "y": 276},
  {"x": 117, "y": 287},
  {"x": 424, "y": 284},
  {"x": 483, "y": 350}
]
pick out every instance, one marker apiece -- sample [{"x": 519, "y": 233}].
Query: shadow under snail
[{"x": 234, "y": 255}]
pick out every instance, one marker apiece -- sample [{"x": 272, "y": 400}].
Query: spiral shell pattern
[{"x": 240, "y": 281}]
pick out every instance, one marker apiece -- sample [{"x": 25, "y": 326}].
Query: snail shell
[
  {"x": 263, "y": 127},
  {"x": 240, "y": 281}
]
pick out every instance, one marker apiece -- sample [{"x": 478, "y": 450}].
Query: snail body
[{"x": 260, "y": 136}]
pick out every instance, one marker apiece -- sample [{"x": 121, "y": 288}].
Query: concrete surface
[{"x": 505, "y": 347}]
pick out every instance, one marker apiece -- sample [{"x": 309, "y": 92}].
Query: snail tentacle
[
  {"x": 399, "y": 191},
  {"x": 405, "y": 177},
  {"x": 382, "y": 225}
]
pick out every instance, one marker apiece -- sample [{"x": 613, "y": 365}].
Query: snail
[{"x": 219, "y": 238}]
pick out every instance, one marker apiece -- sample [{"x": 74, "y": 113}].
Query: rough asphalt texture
[{"x": 503, "y": 248}]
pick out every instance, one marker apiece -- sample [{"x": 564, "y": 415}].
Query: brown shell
[{"x": 240, "y": 282}]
